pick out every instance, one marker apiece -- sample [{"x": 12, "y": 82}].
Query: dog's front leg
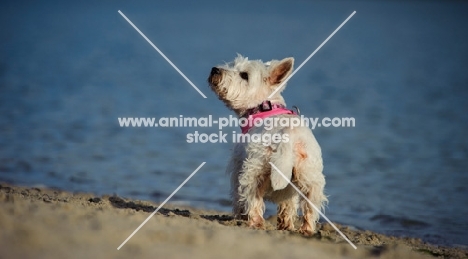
[
  {"x": 252, "y": 190},
  {"x": 234, "y": 169}
]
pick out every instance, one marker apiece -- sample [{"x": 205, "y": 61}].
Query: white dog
[{"x": 244, "y": 86}]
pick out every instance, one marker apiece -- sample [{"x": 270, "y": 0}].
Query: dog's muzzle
[{"x": 215, "y": 76}]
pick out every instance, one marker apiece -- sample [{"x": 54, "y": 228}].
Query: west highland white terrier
[{"x": 244, "y": 86}]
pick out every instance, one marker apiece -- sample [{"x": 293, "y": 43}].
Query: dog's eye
[{"x": 244, "y": 75}]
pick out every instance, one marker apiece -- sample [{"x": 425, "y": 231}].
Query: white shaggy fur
[{"x": 245, "y": 84}]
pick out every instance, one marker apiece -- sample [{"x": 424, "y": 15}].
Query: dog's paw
[
  {"x": 257, "y": 223},
  {"x": 283, "y": 225},
  {"x": 307, "y": 230}
]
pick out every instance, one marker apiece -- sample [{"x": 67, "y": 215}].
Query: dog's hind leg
[
  {"x": 310, "y": 214},
  {"x": 311, "y": 182},
  {"x": 287, "y": 211}
]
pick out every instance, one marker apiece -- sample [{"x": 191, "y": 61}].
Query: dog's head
[{"x": 244, "y": 84}]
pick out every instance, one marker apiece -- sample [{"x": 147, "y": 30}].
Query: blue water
[{"x": 68, "y": 71}]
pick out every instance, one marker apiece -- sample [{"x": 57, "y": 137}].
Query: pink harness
[{"x": 264, "y": 110}]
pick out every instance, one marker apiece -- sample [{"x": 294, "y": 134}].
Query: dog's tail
[{"x": 283, "y": 159}]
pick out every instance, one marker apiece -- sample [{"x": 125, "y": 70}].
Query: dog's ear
[{"x": 280, "y": 70}]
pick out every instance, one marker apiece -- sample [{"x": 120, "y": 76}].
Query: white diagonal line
[
  {"x": 313, "y": 53},
  {"x": 162, "y": 204},
  {"x": 315, "y": 207},
  {"x": 162, "y": 54}
]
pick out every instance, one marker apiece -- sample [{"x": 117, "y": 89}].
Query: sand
[{"x": 48, "y": 223}]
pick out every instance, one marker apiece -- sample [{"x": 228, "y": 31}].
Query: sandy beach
[{"x": 48, "y": 223}]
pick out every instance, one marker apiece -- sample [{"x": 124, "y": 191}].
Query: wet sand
[{"x": 48, "y": 223}]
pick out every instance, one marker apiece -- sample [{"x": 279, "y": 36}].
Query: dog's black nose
[{"x": 215, "y": 71}]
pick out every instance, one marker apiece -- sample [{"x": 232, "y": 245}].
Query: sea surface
[{"x": 68, "y": 71}]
